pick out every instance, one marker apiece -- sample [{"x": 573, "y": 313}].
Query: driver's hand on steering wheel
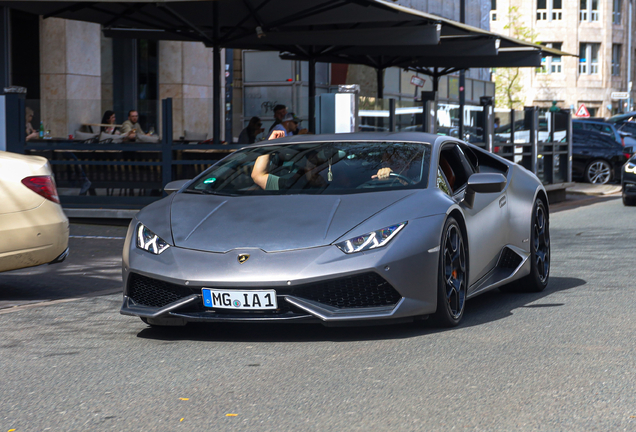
[{"x": 383, "y": 174}]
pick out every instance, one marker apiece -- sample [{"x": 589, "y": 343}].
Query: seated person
[
  {"x": 109, "y": 118},
  {"x": 284, "y": 128},
  {"x": 30, "y": 132},
  {"x": 131, "y": 127}
]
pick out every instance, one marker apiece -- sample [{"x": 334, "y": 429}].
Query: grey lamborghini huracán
[{"x": 365, "y": 227}]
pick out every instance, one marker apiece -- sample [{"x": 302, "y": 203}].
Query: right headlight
[
  {"x": 149, "y": 241},
  {"x": 630, "y": 167},
  {"x": 372, "y": 240}
]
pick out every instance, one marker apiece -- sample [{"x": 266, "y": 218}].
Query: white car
[{"x": 33, "y": 227}]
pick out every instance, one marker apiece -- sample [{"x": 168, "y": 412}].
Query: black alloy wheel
[
  {"x": 537, "y": 280},
  {"x": 452, "y": 277},
  {"x": 598, "y": 171}
]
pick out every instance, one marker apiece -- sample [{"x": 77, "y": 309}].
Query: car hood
[{"x": 271, "y": 223}]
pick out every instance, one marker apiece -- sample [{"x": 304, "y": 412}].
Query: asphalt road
[{"x": 561, "y": 360}]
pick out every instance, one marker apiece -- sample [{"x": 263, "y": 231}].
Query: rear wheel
[
  {"x": 452, "y": 280},
  {"x": 537, "y": 280},
  {"x": 598, "y": 171}
]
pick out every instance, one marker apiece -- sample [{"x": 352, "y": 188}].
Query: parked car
[
  {"x": 336, "y": 229},
  {"x": 628, "y": 182},
  {"x": 597, "y": 157},
  {"x": 33, "y": 227},
  {"x": 623, "y": 137}
]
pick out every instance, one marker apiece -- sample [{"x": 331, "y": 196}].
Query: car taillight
[
  {"x": 42, "y": 185},
  {"x": 627, "y": 155}
]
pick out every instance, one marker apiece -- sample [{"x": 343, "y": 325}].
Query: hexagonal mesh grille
[
  {"x": 509, "y": 259},
  {"x": 365, "y": 290},
  {"x": 152, "y": 292}
]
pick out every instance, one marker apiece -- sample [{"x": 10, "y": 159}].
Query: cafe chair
[
  {"x": 86, "y": 137},
  {"x": 194, "y": 136},
  {"x": 106, "y": 138}
]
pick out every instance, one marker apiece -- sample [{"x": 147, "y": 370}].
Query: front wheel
[
  {"x": 452, "y": 280},
  {"x": 537, "y": 280},
  {"x": 598, "y": 172},
  {"x": 629, "y": 201}
]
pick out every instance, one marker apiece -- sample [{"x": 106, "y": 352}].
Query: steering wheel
[{"x": 401, "y": 177}]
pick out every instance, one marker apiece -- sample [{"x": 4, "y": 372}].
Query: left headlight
[
  {"x": 149, "y": 241},
  {"x": 373, "y": 240}
]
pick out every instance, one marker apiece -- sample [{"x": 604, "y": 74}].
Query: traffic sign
[
  {"x": 582, "y": 112},
  {"x": 417, "y": 81},
  {"x": 619, "y": 95}
]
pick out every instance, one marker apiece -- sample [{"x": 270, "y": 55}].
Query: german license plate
[{"x": 243, "y": 300}]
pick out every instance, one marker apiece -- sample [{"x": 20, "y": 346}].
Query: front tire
[
  {"x": 598, "y": 171},
  {"x": 537, "y": 280},
  {"x": 452, "y": 279},
  {"x": 628, "y": 201}
]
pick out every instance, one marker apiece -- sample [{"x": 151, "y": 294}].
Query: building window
[
  {"x": 549, "y": 10},
  {"x": 493, "y": 10},
  {"x": 616, "y": 12},
  {"x": 551, "y": 64},
  {"x": 588, "y": 58},
  {"x": 616, "y": 59},
  {"x": 589, "y": 10}
]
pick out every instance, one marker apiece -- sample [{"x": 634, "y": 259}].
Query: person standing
[
  {"x": 248, "y": 135},
  {"x": 280, "y": 111}
]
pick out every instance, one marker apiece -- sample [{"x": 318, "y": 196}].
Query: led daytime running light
[
  {"x": 630, "y": 168},
  {"x": 149, "y": 241},
  {"x": 372, "y": 240}
]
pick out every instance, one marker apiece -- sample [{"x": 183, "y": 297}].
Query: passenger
[
  {"x": 109, "y": 118},
  {"x": 248, "y": 135}
]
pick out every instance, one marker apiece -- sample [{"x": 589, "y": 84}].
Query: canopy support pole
[
  {"x": 312, "y": 95},
  {"x": 379, "y": 73},
  {"x": 462, "y": 76},
  {"x": 216, "y": 77}
]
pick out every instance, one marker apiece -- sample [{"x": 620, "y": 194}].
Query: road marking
[
  {"x": 96, "y": 237},
  {"x": 58, "y": 301}
]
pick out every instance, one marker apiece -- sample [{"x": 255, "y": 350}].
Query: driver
[{"x": 267, "y": 181}]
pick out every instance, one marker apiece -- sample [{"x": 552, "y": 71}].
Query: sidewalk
[{"x": 594, "y": 189}]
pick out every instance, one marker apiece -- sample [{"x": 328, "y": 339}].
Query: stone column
[
  {"x": 185, "y": 74},
  {"x": 70, "y": 75}
]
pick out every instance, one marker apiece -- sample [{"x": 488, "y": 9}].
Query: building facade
[
  {"x": 599, "y": 32},
  {"x": 73, "y": 74}
]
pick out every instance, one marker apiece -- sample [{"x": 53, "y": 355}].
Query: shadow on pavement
[{"x": 489, "y": 307}]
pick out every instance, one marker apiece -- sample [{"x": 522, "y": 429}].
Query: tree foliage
[{"x": 508, "y": 80}]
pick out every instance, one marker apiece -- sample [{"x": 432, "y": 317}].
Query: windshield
[{"x": 318, "y": 168}]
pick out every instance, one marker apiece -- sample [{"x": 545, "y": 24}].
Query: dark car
[
  {"x": 596, "y": 157},
  {"x": 628, "y": 182},
  {"x": 623, "y": 137}
]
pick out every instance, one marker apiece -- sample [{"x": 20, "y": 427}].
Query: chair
[
  {"x": 194, "y": 136},
  {"x": 147, "y": 138},
  {"x": 85, "y": 137},
  {"x": 105, "y": 138}
]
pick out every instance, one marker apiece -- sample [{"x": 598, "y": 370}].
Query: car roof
[{"x": 421, "y": 137}]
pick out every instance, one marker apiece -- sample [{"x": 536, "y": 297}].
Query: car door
[
  {"x": 486, "y": 221},
  {"x": 582, "y": 152}
]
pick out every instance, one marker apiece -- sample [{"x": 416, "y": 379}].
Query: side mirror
[
  {"x": 483, "y": 183},
  {"x": 174, "y": 186}
]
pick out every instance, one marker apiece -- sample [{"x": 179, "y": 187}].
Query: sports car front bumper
[{"x": 319, "y": 284}]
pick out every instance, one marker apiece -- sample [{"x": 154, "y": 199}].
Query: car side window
[{"x": 442, "y": 183}]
